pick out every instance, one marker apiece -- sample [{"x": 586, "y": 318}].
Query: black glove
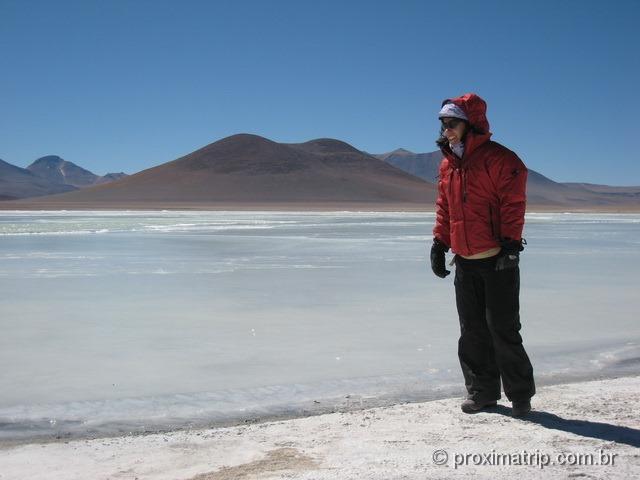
[
  {"x": 509, "y": 256},
  {"x": 437, "y": 258}
]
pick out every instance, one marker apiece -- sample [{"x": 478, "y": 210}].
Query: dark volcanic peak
[
  {"x": 110, "y": 177},
  {"x": 17, "y": 182},
  {"x": 398, "y": 152},
  {"x": 242, "y": 153},
  {"x": 246, "y": 142},
  {"x": 401, "y": 151},
  {"x": 49, "y": 160},
  {"x": 243, "y": 139},
  {"x": 324, "y": 146},
  {"x": 56, "y": 170},
  {"x": 114, "y": 175}
]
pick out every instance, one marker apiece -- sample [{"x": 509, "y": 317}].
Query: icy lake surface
[{"x": 132, "y": 321}]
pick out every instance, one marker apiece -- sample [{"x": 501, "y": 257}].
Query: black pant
[{"x": 490, "y": 345}]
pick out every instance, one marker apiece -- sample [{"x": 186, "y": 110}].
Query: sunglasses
[{"x": 451, "y": 124}]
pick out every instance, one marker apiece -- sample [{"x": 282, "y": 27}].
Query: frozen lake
[{"x": 130, "y": 321}]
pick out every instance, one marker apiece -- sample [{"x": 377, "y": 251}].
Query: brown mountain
[{"x": 247, "y": 169}]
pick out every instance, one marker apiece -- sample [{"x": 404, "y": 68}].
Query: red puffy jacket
[{"x": 481, "y": 196}]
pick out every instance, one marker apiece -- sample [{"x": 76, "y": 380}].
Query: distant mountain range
[
  {"x": 247, "y": 170},
  {"x": 423, "y": 165},
  {"x": 47, "y": 175}
]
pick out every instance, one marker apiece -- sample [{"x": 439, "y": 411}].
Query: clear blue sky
[{"x": 126, "y": 85}]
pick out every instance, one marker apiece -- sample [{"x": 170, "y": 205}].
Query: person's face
[{"x": 453, "y": 129}]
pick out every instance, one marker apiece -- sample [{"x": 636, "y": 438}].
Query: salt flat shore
[
  {"x": 50, "y": 205},
  {"x": 587, "y": 429}
]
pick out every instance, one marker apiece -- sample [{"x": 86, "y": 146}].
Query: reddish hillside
[{"x": 248, "y": 168}]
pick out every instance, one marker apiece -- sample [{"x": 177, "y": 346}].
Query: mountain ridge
[
  {"x": 247, "y": 169},
  {"x": 47, "y": 175}
]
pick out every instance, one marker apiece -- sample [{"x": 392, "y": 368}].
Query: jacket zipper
[
  {"x": 464, "y": 199},
  {"x": 464, "y": 196},
  {"x": 493, "y": 230},
  {"x": 464, "y": 186}
]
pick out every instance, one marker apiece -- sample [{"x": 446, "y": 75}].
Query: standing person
[{"x": 480, "y": 216}]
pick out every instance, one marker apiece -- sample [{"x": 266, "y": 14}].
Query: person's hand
[
  {"x": 509, "y": 256},
  {"x": 437, "y": 258}
]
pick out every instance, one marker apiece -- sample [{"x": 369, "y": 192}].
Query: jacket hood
[
  {"x": 476, "y": 110},
  {"x": 474, "y": 107}
]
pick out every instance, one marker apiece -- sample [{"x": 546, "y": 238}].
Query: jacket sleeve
[
  {"x": 512, "y": 193},
  {"x": 441, "y": 229}
]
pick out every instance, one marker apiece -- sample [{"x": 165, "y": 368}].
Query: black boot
[
  {"x": 520, "y": 408},
  {"x": 473, "y": 406}
]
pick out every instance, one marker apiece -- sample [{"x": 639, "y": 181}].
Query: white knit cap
[{"x": 452, "y": 110}]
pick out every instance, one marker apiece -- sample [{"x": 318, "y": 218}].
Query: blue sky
[{"x": 126, "y": 85}]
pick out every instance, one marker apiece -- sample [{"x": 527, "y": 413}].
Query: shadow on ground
[{"x": 585, "y": 428}]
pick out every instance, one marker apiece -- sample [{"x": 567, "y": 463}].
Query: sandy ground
[{"x": 578, "y": 430}]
